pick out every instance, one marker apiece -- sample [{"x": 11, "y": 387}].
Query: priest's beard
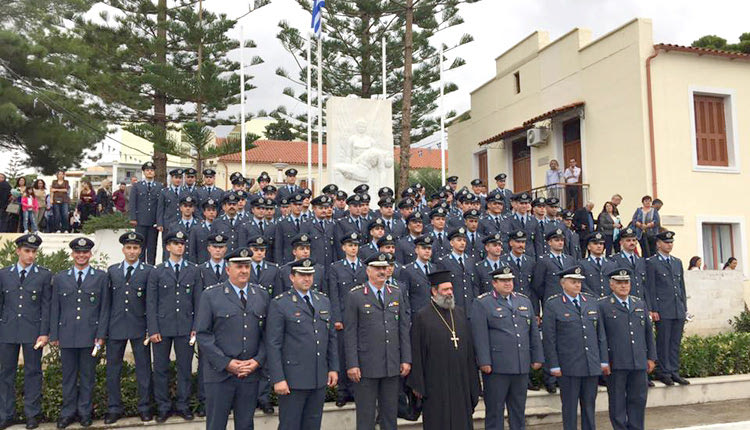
[{"x": 445, "y": 302}]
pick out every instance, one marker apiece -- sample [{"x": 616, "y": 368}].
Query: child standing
[{"x": 29, "y": 206}]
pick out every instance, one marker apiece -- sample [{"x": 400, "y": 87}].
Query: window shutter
[{"x": 710, "y": 131}]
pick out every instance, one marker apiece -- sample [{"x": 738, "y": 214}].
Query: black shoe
[
  {"x": 111, "y": 417},
  {"x": 266, "y": 407},
  {"x": 651, "y": 383},
  {"x": 532, "y": 387},
  {"x": 32, "y": 423},
  {"x": 551, "y": 389},
  {"x": 146, "y": 416},
  {"x": 341, "y": 402},
  {"x": 86, "y": 421},
  {"x": 64, "y": 422},
  {"x": 666, "y": 380},
  {"x": 201, "y": 411},
  {"x": 186, "y": 415},
  {"x": 680, "y": 380},
  {"x": 162, "y": 417}
]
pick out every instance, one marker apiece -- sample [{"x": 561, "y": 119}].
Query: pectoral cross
[{"x": 454, "y": 339}]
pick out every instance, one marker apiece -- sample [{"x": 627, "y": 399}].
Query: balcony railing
[{"x": 572, "y": 196}]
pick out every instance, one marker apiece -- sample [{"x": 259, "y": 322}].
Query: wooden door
[
  {"x": 482, "y": 165},
  {"x": 521, "y": 165},
  {"x": 572, "y": 150}
]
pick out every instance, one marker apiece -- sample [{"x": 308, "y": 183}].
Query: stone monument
[{"x": 360, "y": 143}]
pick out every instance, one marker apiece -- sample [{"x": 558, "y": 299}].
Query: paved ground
[{"x": 707, "y": 416}]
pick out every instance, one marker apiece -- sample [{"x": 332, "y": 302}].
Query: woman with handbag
[
  {"x": 647, "y": 223},
  {"x": 608, "y": 224},
  {"x": 14, "y": 207},
  {"x": 40, "y": 192}
]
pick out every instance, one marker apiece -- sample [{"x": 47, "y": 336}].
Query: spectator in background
[
  {"x": 133, "y": 181},
  {"x": 657, "y": 204},
  {"x": 59, "y": 190},
  {"x": 40, "y": 193},
  {"x": 4, "y": 200},
  {"x": 572, "y": 176},
  {"x": 731, "y": 264},
  {"x": 609, "y": 225},
  {"x": 554, "y": 179},
  {"x": 696, "y": 263},
  {"x": 29, "y": 208},
  {"x": 86, "y": 201},
  {"x": 120, "y": 199},
  {"x": 647, "y": 223},
  {"x": 14, "y": 219},
  {"x": 104, "y": 198}
]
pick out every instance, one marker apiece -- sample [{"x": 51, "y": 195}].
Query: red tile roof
[
  {"x": 529, "y": 123},
  {"x": 702, "y": 51},
  {"x": 503, "y": 135},
  {"x": 295, "y": 152}
]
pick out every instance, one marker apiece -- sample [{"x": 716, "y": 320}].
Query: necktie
[
  {"x": 129, "y": 274},
  {"x": 354, "y": 267},
  {"x": 309, "y": 305},
  {"x": 578, "y": 306},
  {"x": 518, "y": 262},
  {"x": 559, "y": 260},
  {"x": 426, "y": 270},
  {"x": 440, "y": 238},
  {"x": 523, "y": 223},
  {"x": 218, "y": 271},
  {"x": 388, "y": 224},
  {"x": 23, "y": 275},
  {"x": 231, "y": 221},
  {"x": 497, "y": 222},
  {"x": 243, "y": 299},
  {"x": 262, "y": 228},
  {"x": 380, "y": 298},
  {"x": 358, "y": 225},
  {"x": 177, "y": 270},
  {"x": 257, "y": 271},
  {"x": 471, "y": 240},
  {"x": 599, "y": 262},
  {"x": 632, "y": 261},
  {"x": 296, "y": 222},
  {"x": 149, "y": 184},
  {"x": 625, "y": 305},
  {"x": 80, "y": 279},
  {"x": 461, "y": 263}
]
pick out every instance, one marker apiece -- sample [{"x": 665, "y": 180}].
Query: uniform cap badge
[
  {"x": 243, "y": 253},
  {"x": 81, "y": 242},
  {"x": 307, "y": 263}
]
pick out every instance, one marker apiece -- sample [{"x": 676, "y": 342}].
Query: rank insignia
[
  {"x": 592, "y": 312},
  {"x": 566, "y": 315},
  {"x": 523, "y": 308},
  {"x": 139, "y": 294},
  {"x": 296, "y": 314}
]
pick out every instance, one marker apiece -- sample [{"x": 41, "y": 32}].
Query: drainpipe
[{"x": 652, "y": 145}]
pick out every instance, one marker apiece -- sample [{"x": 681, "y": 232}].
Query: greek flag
[{"x": 317, "y": 13}]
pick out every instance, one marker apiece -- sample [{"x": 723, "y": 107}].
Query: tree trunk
[
  {"x": 405, "y": 143},
  {"x": 160, "y": 99}
]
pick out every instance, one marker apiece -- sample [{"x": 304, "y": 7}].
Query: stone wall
[{"x": 714, "y": 298}]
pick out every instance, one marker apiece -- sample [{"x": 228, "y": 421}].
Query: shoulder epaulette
[
  {"x": 636, "y": 297},
  {"x": 587, "y": 294},
  {"x": 602, "y": 298},
  {"x": 190, "y": 263},
  {"x": 279, "y": 296},
  {"x": 483, "y": 295},
  {"x": 358, "y": 287},
  {"x": 211, "y": 286},
  {"x": 522, "y": 295},
  {"x": 321, "y": 293},
  {"x": 554, "y": 296},
  {"x": 260, "y": 287}
]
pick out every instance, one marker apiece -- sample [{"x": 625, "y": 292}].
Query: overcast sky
[{"x": 496, "y": 26}]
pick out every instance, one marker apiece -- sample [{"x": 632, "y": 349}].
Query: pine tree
[{"x": 353, "y": 59}]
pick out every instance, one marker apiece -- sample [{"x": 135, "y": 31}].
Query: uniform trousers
[
  {"x": 668, "y": 340},
  {"x": 184, "y": 360},
  {"x": 148, "y": 252},
  {"x": 376, "y": 394},
  {"x": 628, "y": 391},
  {"x": 344, "y": 387},
  {"x": 575, "y": 390},
  {"x": 32, "y": 379},
  {"x": 301, "y": 409},
  {"x": 142, "y": 355},
  {"x": 78, "y": 377},
  {"x": 501, "y": 391},
  {"x": 264, "y": 387},
  {"x": 235, "y": 394}
]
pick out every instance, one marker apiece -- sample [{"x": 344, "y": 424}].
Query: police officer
[
  {"x": 441, "y": 243},
  {"x": 500, "y": 180},
  {"x": 25, "y": 295},
  {"x": 405, "y": 246},
  {"x": 213, "y": 271},
  {"x": 637, "y": 265},
  {"x": 632, "y": 351},
  {"x": 522, "y": 266},
  {"x": 172, "y": 296},
  {"x": 575, "y": 348},
  {"x": 290, "y": 187},
  {"x": 265, "y": 273},
  {"x": 287, "y": 229},
  {"x": 209, "y": 190},
  {"x": 230, "y": 325},
  {"x": 494, "y": 221},
  {"x": 665, "y": 286},
  {"x": 523, "y": 220},
  {"x": 462, "y": 268},
  {"x": 78, "y": 322},
  {"x": 546, "y": 281},
  {"x": 168, "y": 205},
  {"x": 474, "y": 244},
  {"x": 142, "y": 207},
  {"x": 186, "y": 222},
  {"x": 302, "y": 352},
  {"x": 572, "y": 239},
  {"x": 507, "y": 345},
  {"x": 258, "y": 225},
  {"x": 548, "y": 222},
  {"x": 393, "y": 225},
  {"x": 596, "y": 266},
  {"x": 493, "y": 251},
  {"x": 229, "y": 224},
  {"x": 198, "y": 237},
  {"x": 301, "y": 250},
  {"x": 378, "y": 347},
  {"x": 320, "y": 231},
  {"x": 414, "y": 276},
  {"x": 127, "y": 322},
  {"x": 375, "y": 231}
]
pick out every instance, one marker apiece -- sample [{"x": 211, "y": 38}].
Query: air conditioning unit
[{"x": 536, "y": 136}]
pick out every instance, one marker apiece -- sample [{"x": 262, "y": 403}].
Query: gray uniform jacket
[
  {"x": 597, "y": 282},
  {"x": 630, "y": 336},
  {"x": 321, "y": 240},
  {"x": 285, "y": 284},
  {"x": 226, "y": 330},
  {"x": 168, "y": 206},
  {"x": 341, "y": 279},
  {"x": 638, "y": 278},
  {"x": 127, "y": 318},
  {"x": 376, "y": 338},
  {"x": 79, "y": 315},
  {"x": 143, "y": 203},
  {"x": 465, "y": 282},
  {"x": 170, "y": 302},
  {"x": 505, "y": 334},
  {"x": 416, "y": 286},
  {"x": 405, "y": 252},
  {"x": 24, "y": 308},
  {"x": 235, "y": 233},
  {"x": 665, "y": 287},
  {"x": 301, "y": 347},
  {"x": 575, "y": 342},
  {"x": 197, "y": 245},
  {"x": 546, "y": 281}
]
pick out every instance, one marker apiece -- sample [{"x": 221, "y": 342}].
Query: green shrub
[
  {"x": 741, "y": 323},
  {"x": 113, "y": 221},
  {"x": 723, "y": 354}
]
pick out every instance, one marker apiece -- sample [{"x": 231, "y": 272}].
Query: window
[
  {"x": 710, "y": 131},
  {"x": 482, "y": 166},
  {"x": 718, "y": 244},
  {"x": 517, "y": 80}
]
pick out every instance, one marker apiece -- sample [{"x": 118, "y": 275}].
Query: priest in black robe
[{"x": 444, "y": 371}]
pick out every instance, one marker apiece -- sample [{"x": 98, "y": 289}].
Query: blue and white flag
[{"x": 317, "y": 15}]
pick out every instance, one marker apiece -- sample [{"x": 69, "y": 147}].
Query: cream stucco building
[{"x": 640, "y": 118}]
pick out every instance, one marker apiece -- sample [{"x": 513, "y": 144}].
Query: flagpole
[
  {"x": 309, "y": 111},
  {"x": 320, "y": 102},
  {"x": 442, "y": 118},
  {"x": 384, "y": 74},
  {"x": 242, "y": 96}
]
